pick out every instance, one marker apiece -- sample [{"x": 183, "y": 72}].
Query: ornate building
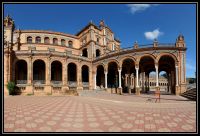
[{"x": 49, "y": 62}]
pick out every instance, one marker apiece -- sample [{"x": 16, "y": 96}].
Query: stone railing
[
  {"x": 72, "y": 83},
  {"x": 21, "y": 81},
  {"x": 39, "y": 81},
  {"x": 85, "y": 84}
]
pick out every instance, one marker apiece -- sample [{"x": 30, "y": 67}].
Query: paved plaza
[{"x": 99, "y": 113}]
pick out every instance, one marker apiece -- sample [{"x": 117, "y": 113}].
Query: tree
[{"x": 11, "y": 88}]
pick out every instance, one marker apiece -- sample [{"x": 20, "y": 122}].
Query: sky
[{"x": 129, "y": 22}]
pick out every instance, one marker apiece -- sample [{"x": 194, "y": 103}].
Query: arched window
[
  {"x": 85, "y": 53},
  {"x": 63, "y": 43},
  {"x": 55, "y": 41},
  {"x": 46, "y": 40},
  {"x": 97, "y": 52},
  {"x": 38, "y": 39},
  {"x": 29, "y": 39},
  {"x": 70, "y": 43}
]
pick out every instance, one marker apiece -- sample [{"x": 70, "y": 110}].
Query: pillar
[
  {"x": 119, "y": 70},
  {"x": 106, "y": 79},
  {"x": 30, "y": 70},
  {"x": 176, "y": 75},
  {"x": 95, "y": 82},
  {"x": 137, "y": 69},
  {"x": 156, "y": 66}
]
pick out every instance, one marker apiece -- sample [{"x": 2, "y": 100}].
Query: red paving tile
[{"x": 112, "y": 113}]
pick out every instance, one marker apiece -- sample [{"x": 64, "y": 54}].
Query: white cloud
[
  {"x": 153, "y": 35},
  {"x": 140, "y": 7}
]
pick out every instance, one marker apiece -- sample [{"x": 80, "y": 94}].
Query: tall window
[
  {"x": 70, "y": 43},
  {"x": 63, "y": 42},
  {"x": 46, "y": 40},
  {"x": 113, "y": 47},
  {"x": 55, "y": 41},
  {"x": 29, "y": 39},
  {"x": 38, "y": 39}
]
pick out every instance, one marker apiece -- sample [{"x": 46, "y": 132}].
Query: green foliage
[
  {"x": 11, "y": 88},
  {"x": 29, "y": 94}
]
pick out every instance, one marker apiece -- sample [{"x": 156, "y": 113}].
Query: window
[
  {"x": 63, "y": 42},
  {"x": 97, "y": 40},
  {"x": 46, "y": 40},
  {"x": 84, "y": 52},
  {"x": 55, "y": 41},
  {"x": 38, "y": 39},
  {"x": 70, "y": 43},
  {"x": 29, "y": 39},
  {"x": 113, "y": 47},
  {"x": 97, "y": 53}
]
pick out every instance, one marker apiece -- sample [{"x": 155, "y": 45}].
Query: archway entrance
[
  {"x": 85, "y": 74},
  {"x": 113, "y": 80},
  {"x": 167, "y": 64},
  {"x": 146, "y": 66},
  {"x": 56, "y": 72},
  {"x": 128, "y": 76},
  {"x": 39, "y": 71},
  {"x": 21, "y": 72},
  {"x": 100, "y": 77},
  {"x": 72, "y": 72}
]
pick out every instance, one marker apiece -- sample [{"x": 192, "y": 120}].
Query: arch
[
  {"x": 46, "y": 40},
  {"x": 55, "y": 41},
  {"x": 148, "y": 55},
  {"x": 85, "y": 52},
  {"x": 39, "y": 71},
  {"x": 70, "y": 43},
  {"x": 98, "y": 52},
  {"x": 104, "y": 66},
  {"x": 72, "y": 72},
  {"x": 167, "y": 54},
  {"x": 38, "y": 39},
  {"x": 63, "y": 42},
  {"x": 56, "y": 71},
  {"x": 21, "y": 72},
  {"x": 113, "y": 60},
  {"x": 85, "y": 73},
  {"x": 127, "y": 57},
  {"x": 112, "y": 77},
  {"x": 29, "y": 39},
  {"x": 100, "y": 77}
]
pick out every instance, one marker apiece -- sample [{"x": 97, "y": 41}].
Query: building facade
[{"x": 49, "y": 62}]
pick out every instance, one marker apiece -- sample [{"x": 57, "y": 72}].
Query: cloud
[
  {"x": 153, "y": 35},
  {"x": 139, "y": 7}
]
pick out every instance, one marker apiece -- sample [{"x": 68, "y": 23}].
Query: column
[
  {"x": 156, "y": 66},
  {"x": 137, "y": 69},
  {"x": 64, "y": 73},
  {"x": 176, "y": 75},
  {"x": 48, "y": 72},
  {"x": 95, "y": 87},
  {"x": 119, "y": 70},
  {"x": 30, "y": 70},
  {"x": 106, "y": 79}
]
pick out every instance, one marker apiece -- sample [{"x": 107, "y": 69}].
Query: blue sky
[{"x": 130, "y": 23}]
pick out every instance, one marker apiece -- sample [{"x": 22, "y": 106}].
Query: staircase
[
  {"x": 190, "y": 94},
  {"x": 92, "y": 92}
]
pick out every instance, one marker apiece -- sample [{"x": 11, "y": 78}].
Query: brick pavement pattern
[{"x": 99, "y": 113}]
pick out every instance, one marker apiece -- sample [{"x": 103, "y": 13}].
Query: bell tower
[{"x": 9, "y": 27}]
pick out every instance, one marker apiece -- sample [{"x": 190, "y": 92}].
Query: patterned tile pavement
[{"x": 100, "y": 113}]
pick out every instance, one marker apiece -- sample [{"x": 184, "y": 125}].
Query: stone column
[
  {"x": 156, "y": 66},
  {"x": 106, "y": 79},
  {"x": 95, "y": 83},
  {"x": 119, "y": 70},
  {"x": 137, "y": 69},
  {"x": 79, "y": 79},
  {"x": 30, "y": 70},
  {"x": 48, "y": 88},
  {"x": 176, "y": 75}
]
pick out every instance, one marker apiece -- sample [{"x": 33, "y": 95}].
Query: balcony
[
  {"x": 85, "y": 84},
  {"x": 72, "y": 83},
  {"x": 21, "y": 81},
  {"x": 56, "y": 83},
  {"x": 38, "y": 82}
]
